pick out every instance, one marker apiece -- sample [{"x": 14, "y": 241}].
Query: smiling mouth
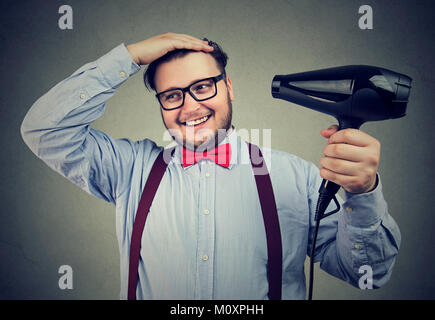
[{"x": 197, "y": 121}]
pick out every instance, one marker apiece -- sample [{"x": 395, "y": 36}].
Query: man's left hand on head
[{"x": 351, "y": 159}]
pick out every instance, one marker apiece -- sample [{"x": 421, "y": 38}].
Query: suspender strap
[
  {"x": 149, "y": 191},
  {"x": 268, "y": 207},
  {"x": 271, "y": 222}
]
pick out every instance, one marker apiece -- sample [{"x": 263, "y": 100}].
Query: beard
[{"x": 209, "y": 139}]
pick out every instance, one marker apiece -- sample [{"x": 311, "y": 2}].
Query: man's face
[{"x": 180, "y": 73}]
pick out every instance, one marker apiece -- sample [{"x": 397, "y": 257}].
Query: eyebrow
[{"x": 173, "y": 88}]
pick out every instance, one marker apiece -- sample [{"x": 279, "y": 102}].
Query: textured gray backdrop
[{"x": 46, "y": 222}]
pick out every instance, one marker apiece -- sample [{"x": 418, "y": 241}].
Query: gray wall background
[{"x": 46, "y": 222}]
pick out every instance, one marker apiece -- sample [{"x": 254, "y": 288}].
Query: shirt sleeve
[
  {"x": 57, "y": 127},
  {"x": 358, "y": 244}
]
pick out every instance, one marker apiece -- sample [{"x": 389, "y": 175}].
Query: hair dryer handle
[
  {"x": 328, "y": 189},
  {"x": 349, "y": 123}
]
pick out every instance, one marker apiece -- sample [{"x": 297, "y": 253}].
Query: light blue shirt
[{"x": 204, "y": 237}]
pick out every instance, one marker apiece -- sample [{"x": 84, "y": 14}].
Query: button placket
[{"x": 206, "y": 227}]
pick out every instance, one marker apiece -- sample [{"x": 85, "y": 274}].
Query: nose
[{"x": 190, "y": 104}]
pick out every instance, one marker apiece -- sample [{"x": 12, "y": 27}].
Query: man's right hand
[{"x": 146, "y": 51}]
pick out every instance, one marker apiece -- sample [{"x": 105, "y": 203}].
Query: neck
[{"x": 211, "y": 144}]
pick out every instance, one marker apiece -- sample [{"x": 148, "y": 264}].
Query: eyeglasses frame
[{"x": 215, "y": 79}]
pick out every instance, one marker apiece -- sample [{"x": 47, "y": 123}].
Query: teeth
[{"x": 198, "y": 121}]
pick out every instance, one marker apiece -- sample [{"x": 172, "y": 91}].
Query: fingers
[
  {"x": 192, "y": 45},
  {"x": 351, "y": 136},
  {"x": 354, "y": 147},
  {"x": 339, "y": 166},
  {"x": 148, "y": 50},
  {"x": 348, "y": 136},
  {"x": 351, "y": 159},
  {"x": 344, "y": 151},
  {"x": 330, "y": 131},
  {"x": 195, "y": 39},
  {"x": 338, "y": 178},
  {"x": 361, "y": 183},
  {"x": 184, "y": 41}
]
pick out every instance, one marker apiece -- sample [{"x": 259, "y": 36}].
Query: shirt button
[
  {"x": 207, "y": 174},
  {"x": 204, "y": 257},
  {"x": 206, "y": 211},
  {"x": 83, "y": 96},
  {"x": 348, "y": 209},
  {"x": 122, "y": 74},
  {"x": 357, "y": 246}
]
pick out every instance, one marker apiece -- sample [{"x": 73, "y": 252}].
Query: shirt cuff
[
  {"x": 365, "y": 209},
  {"x": 117, "y": 65}
]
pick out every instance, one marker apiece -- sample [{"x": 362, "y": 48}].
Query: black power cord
[{"x": 327, "y": 193}]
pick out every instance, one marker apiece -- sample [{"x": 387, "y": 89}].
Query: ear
[{"x": 230, "y": 88}]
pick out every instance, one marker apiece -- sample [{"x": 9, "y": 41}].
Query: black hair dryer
[{"x": 353, "y": 95}]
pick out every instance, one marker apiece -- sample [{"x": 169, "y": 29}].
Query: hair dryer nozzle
[{"x": 276, "y": 84}]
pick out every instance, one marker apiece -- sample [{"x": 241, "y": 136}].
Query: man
[{"x": 204, "y": 236}]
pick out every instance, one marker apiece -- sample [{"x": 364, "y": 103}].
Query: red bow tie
[{"x": 220, "y": 154}]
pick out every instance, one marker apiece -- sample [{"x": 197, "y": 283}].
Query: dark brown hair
[{"x": 218, "y": 54}]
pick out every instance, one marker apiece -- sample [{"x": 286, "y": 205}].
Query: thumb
[{"x": 326, "y": 133}]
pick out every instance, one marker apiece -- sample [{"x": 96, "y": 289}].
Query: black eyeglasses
[{"x": 200, "y": 90}]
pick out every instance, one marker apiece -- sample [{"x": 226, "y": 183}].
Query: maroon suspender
[
  {"x": 271, "y": 222},
  {"x": 148, "y": 193},
  {"x": 268, "y": 208}
]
